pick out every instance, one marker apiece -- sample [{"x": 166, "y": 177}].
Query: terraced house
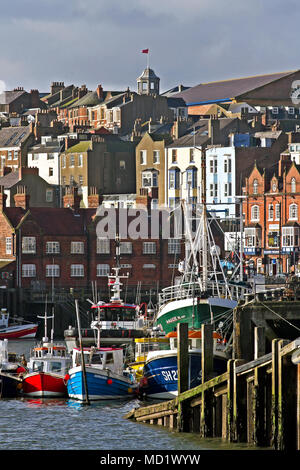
[
  {"x": 271, "y": 210},
  {"x": 104, "y": 162}
]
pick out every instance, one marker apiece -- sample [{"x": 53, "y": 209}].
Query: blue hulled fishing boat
[
  {"x": 160, "y": 373},
  {"x": 105, "y": 375}
]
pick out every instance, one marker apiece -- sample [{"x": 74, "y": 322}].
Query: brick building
[
  {"x": 59, "y": 248},
  {"x": 14, "y": 144},
  {"x": 271, "y": 211}
]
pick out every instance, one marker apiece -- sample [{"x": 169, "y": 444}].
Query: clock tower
[{"x": 148, "y": 83}]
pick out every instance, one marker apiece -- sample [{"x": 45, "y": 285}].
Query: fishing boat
[
  {"x": 160, "y": 373},
  {"x": 203, "y": 292},
  {"x": 17, "y": 329},
  {"x": 10, "y": 380},
  {"x": 98, "y": 373},
  {"x": 104, "y": 372},
  {"x": 48, "y": 364},
  {"x": 118, "y": 314}
]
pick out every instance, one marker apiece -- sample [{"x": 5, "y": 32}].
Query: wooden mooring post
[
  {"x": 183, "y": 375},
  {"x": 256, "y": 402}
]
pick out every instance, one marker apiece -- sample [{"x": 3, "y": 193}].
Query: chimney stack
[
  {"x": 21, "y": 198},
  {"x": 35, "y": 98},
  {"x": 72, "y": 198},
  {"x": 214, "y": 130},
  {"x": 99, "y": 92},
  {"x": 94, "y": 199}
]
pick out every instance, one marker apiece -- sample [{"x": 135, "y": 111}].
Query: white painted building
[
  {"x": 45, "y": 157},
  {"x": 183, "y": 175},
  {"x": 221, "y": 181}
]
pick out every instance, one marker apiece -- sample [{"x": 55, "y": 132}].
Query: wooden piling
[
  {"x": 259, "y": 407},
  {"x": 275, "y": 392},
  {"x": 239, "y": 405},
  {"x": 287, "y": 401},
  {"x": 259, "y": 342},
  {"x": 230, "y": 401},
  {"x": 183, "y": 374},
  {"x": 206, "y": 426},
  {"x": 182, "y": 357}
]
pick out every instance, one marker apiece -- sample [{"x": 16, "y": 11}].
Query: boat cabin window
[
  {"x": 109, "y": 358},
  {"x": 119, "y": 314},
  {"x": 96, "y": 359},
  {"x": 38, "y": 366},
  {"x": 55, "y": 366},
  {"x": 146, "y": 347}
]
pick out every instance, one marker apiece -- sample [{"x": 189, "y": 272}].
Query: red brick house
[
  {"x": 271, "y": 211},
  {"x": 59, "y": 248}
]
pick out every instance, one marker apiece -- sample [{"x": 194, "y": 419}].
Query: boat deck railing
[{"x": 190, "y": 290}]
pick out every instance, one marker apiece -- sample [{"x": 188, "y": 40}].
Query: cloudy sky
[{"x": 100, "y": 41}]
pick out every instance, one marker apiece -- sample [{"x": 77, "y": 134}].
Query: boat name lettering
[
  {"x": 171, "y": 320},
  {"x": 170, "y": 375}
]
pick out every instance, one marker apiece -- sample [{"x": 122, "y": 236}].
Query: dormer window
[
  {"x": 293, "y": 185},
  {"x": 274, "y": 187}
]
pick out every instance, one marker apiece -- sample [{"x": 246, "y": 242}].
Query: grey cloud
[{"x": 100, "y": 41}]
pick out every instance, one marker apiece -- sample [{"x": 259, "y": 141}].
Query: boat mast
[
  {"x": 45, "y": 318},
  {"x": 204, "y": 221}
]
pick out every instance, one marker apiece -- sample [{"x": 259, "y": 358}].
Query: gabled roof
[
  {"x": 7, "y": 97},
  {"x": 226, "y": 90}
]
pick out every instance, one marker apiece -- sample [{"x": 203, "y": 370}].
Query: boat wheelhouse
[
  {"x": 143, "y": 346},
  {"x": 102, "y": 370},
  {"x": 48, "y": 365}
]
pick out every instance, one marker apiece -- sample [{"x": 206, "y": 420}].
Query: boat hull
[
  {"x": 191, "y": 311},
  {"x": 43, "y": 384},
  {"x": 19, "y": 331},
  {"x": 101, "y": 385},
  {"x": 9, "y": 385},
  {"x": 160, "y": 380}
]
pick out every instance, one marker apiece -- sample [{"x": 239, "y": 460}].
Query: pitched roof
[
  {"x": 82, "y": 146},
  {"x": 225, "y": 90},
  {"x": 10, "y": 179},
  {"x": 54, "y": 221},
  {"x": 13, "y": 136},
  {"x": 7, "y": 97},
  {"x": 198, "y": 133},
  {"x": 89, "y": 99}
]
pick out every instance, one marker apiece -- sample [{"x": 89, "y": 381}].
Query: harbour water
[{"x": 63, "y": 424}]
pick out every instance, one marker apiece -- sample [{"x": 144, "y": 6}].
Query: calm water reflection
[{"x": 63, "y": 424}]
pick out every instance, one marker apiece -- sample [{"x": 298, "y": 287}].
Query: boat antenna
[{"x": 45, "y": 318}]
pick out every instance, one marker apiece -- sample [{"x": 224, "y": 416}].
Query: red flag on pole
[{"x": 145, "y": 51}]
